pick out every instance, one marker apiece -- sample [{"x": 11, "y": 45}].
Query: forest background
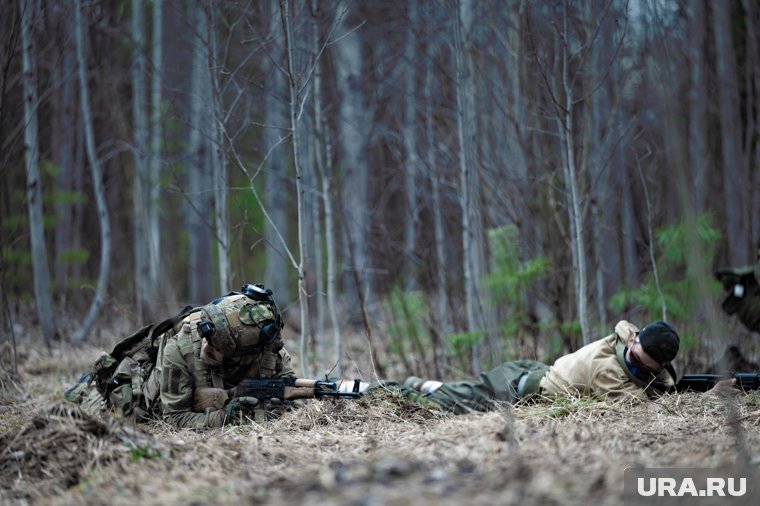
[{"x": 428, "y": 187}]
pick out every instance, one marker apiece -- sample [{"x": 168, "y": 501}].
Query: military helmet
[{"x": 234, "y": 324}]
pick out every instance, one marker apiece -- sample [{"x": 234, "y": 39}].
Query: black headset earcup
[{"x": 269, "y": 334}]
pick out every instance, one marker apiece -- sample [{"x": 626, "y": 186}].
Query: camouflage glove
[{"x": 239, "y": 409}]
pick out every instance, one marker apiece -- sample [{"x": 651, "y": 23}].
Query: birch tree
[
  {"x": 297, "y": 88},
  {"x": 42, "y": 295},
  {"x": 566, "y": 129},
  {"x": 735, "y": 174},
  {"x": 352, "y": 140},
  {"x": 97, "y": 183},
  {"x": 410, "y": 127},
  {"x": 592, "y": 151},
  {"x": 275, "y": 117},
  {"x": 315, "y": 152},
  {"x": 140, "y": 191},
  {"x": 324, "y": 167},
  {"x": 752, "y": 17},
  {"x": 156, "y": 133},
  {"x": 698, "y": 102},
  {"x": 199, "y": 202},
  {"x": 442, "y": 306},
  {"x": 468, "y": 178},
  {"x": 218, "y": 157},
  {"x": 63, "y": 138}
]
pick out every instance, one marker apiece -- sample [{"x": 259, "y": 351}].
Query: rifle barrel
[{"x": 704, "y": 382}]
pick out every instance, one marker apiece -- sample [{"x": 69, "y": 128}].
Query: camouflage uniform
[
  {"x": 182, "y": 369},
  {"x": 597, "y": 368},
  {"x": 743, "y": 297}
]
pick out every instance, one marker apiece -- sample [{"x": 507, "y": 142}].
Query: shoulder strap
[{"x": 169, "y": 323}]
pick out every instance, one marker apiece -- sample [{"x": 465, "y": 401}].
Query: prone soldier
[
  {"x": 627, "y": 362},
  {"x": 217, "y": 346}
]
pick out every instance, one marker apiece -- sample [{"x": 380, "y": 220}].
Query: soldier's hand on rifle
[
  {"x": 239, "y": 409},
  {"x": 273, "y": 403},
  {"x": 724, "y": 388}
]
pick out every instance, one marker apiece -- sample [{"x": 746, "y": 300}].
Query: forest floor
[{"x": 375, "y": 451}]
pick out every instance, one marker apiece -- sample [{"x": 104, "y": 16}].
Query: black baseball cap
[{"x": 659, "y": 341}]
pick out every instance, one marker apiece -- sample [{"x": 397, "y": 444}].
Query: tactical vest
[{"x": 238, "y": 324}]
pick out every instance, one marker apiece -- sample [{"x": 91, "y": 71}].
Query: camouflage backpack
[{"x": 127, "y": 380}]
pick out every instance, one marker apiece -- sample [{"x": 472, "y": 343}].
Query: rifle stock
[
  {"x": 263, "y": 389},
  {"x": 704, "y": 382}
]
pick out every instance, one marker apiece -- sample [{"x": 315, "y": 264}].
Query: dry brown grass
[{"x": 378, "y": 450}]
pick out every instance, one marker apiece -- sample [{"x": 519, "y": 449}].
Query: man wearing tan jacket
[{"x": 627, "y": 362}]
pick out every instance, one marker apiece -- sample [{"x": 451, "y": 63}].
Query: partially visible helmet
[{"x": 238, "y": 325}]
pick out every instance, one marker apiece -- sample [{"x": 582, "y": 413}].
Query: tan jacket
[{"x": 599, "y": 368}]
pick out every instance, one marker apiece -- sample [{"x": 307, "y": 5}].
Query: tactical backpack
[{"x": 127, "y": 380}]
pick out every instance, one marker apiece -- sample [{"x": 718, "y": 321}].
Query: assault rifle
[
  {"x": 265, "y": 389},
  {"x": 704, "y": 382}
]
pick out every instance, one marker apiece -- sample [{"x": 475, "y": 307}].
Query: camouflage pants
[{"x": 491, "y": 391}]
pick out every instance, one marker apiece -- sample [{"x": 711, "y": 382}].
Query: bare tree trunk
[
  {"x": 566, "y": 132},
  {"x": 140, "y": 192},
  {"x": 752, "y": 16},
  {"x": 277, "y": 266},
  {"x": 650, "y": 241},
  {"x": 42, "y": 295},
  {"x": 467, "y": 181},
  {"x": 6, "y": 321},
  {"x": 176, "y": 69},
  {"x": 595, "y": 143},
  {"x": 410, "y": 146},
  {"x": 698, "y": 100},
  {"x": 295, "y": 101},
  {"x": 515, "y": 143},
  {"x": 218, "y": 159},
  {"x": 325, "y": 173},
  {"x": 734, "y": 173},
  {"x": 353, "y": 132},
  {"x": 442, "y": 305},
  {"x": 200, "y": 198},
  {"x": 628, "y": 234},
  {"x": 316, "y": 160},
  {"x": 64, "y": 156},
  {"x": 156, "y": 132},
  {"x": 97, "y": 184},
  {"x": 332, "y": 276},
  {"x": 79, "y": 174},
  {"x": 318, "y": 263}
]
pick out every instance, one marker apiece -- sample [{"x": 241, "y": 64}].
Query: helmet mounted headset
[{"x": 269, "y": 333}]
